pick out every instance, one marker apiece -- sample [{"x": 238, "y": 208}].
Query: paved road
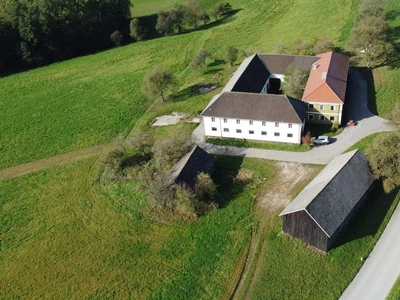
[
  {"x": 356, "y": 109},
  {"x": 381, "y": 269}
]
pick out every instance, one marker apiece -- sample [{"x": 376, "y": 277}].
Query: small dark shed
[
  {"x": 195, "y": 162},
  {"x": 325, "y": 206}
]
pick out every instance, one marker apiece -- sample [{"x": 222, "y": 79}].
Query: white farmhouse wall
[{"x": 229, "y": 129}]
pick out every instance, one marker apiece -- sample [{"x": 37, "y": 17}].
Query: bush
[
  {"x": 116, "y": 37},
  {"x": 199, "y": 61}
]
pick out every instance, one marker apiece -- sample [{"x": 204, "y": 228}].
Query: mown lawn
[
  {"x": 395, "y": 293},
  {"x": 90, "y": 100},
  {"x": 64, "y": 235}
]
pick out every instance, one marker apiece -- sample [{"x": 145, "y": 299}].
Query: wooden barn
[
  {"x": 319, "y": 213},
  {"x": 195, "y": 162}
]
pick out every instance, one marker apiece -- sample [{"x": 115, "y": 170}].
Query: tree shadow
[
  {"x": 392, "y": 14},
  {"x": 226, "y": 178},
  {"x": 188, "y": 92},
  {"x": 212, "y": 71},
  {"x": 217, "y": 62},
  {"x": 370, "y": 216}
]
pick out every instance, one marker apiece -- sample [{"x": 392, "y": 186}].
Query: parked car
[{"x": 321, "y": 140}]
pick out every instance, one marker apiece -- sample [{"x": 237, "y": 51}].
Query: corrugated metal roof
[
  {"x": 331, "y": 196},
  {"x": 262, "y": 107}
]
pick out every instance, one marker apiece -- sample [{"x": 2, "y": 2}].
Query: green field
[
  {"x": 65, "y": 235},
  {"x": 395, "y": 293},
  {"x": 92, "y": 99}
]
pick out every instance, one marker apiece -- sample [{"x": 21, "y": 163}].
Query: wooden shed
[
  {"x": 195, "y": 162},
  {"x": 319, "y": 213}
]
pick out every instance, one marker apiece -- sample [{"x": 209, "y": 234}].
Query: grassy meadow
[
  {"x": 395, "y": 293},
  {"x": 90, "y": 100},
  {"x": 66, "y": 235}
]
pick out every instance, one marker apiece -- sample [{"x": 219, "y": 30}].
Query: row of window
[
  {"x": 263, "y": 123},
  {"x": 321, "y": 106},
  {"x": 289, "y": 135},
  {"x": 321, "y": 118}
]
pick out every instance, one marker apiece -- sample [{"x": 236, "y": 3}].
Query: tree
[
  {"x": 178, "y": 15},
  {"x": 194, "y": 13},
  {"x": 384, "y": 158},
  {"x": 158, "y": 81},
  {"x": 370, "y": 39},
  {"x": 199, "y": 60},
  {"x": 295, "y": 81},
  {"x": 323, "y": 45},
  {"x": 231, "y": 55},
  {"x": 116, "y": 37},
  {"x": 135, "y": 30},
  {"x": 205, "y": 189},
  {"x": 221, "y": 9},
  {"x": 165, "y": 22},
  {"x": 303, "y": 47}
]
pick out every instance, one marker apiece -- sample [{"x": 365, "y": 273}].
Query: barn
[{"x": 321, "y": 210}]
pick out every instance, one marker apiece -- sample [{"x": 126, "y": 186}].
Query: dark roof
[
  {"x": 332, "y": 195},
  {"x": 253, "y": 78},
  {"x": 195, "y": 162},
  {"x": 278, "y": 63},
  {"x": 262, "y": 107}
]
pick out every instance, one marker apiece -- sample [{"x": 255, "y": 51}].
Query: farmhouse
[
  {"x": 262, "y": 74},
  {"x": 264, "y": 117},
  {"x": 319, "y": 213},
  {"x": 326, "y": 88},
  {"x": 195, "y": 162}
]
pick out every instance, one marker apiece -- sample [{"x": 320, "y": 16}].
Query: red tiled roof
[{"x": 328, "y": 79}]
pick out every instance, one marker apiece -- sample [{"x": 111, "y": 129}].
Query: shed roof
[
  {"x": 331, "y": 196},
  {"x": 195, "y": 162},
  {"x": 328, "y": 79},
  {"x": 278, "y": 63},
  {"x": 262, "y": 107}
]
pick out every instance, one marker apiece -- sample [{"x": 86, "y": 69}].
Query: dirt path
[
  {"x": 57, "y": 160},
  {"x": 289, "y": 176}
]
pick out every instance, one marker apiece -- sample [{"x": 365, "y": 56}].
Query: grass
[
  {"x": 387, "y": 77},
  {"x": 256, "y": 144},
  {"x": 395, "y": 293},
  {"x": 90, "y": 100},
  {"x": 63, "y": 235}
]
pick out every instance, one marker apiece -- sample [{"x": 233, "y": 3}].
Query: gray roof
[
  {"x": 331, "y": 196},
  {"x": 278, "y": 63},
  {"x": 261, "y": 107},
  {"x": 253, "y": 77},
  {"x": 195, "y": 162}
]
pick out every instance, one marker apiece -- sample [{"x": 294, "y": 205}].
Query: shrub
[{"x": 116, "y": 37}]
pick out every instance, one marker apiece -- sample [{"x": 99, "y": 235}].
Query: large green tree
[
  {"x": 295, "y": 81},
  {"x": 384, "y": 158},
  {"x": 158, "y": 81}
]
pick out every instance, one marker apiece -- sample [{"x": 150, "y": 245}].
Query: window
[
  {"x": 311, "y": 106},
  {"x": 332, "y": 107},
  {"x": 226, "y": 129},
  {"x": 237, "y": 121},
  {"x": 225, "y": 120},
  {"x": 277, "y": 134},
  {"x": 331, "y": 118},
  {"x": 250, "y": 122},
  {"x": 290, "y": 125},
  {"x": 238, "y": 130},
  {"x": 322, "y": 106},
  {"x": 251, "y": 131},
  {"x": 311, "y": 117},
  {"x": 290, "y": 135},
  {"x": 264, "y": 123},
  {"x": 276, "y": 124},
  {"x": 321, "y": 118},
  {"x": 214, "y": 128},
  {"x": 263, "y": 133},
  {"x": 212, "y": 119}
]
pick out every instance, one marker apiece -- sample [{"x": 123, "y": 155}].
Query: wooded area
[{"x": 34, "y": 33}]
